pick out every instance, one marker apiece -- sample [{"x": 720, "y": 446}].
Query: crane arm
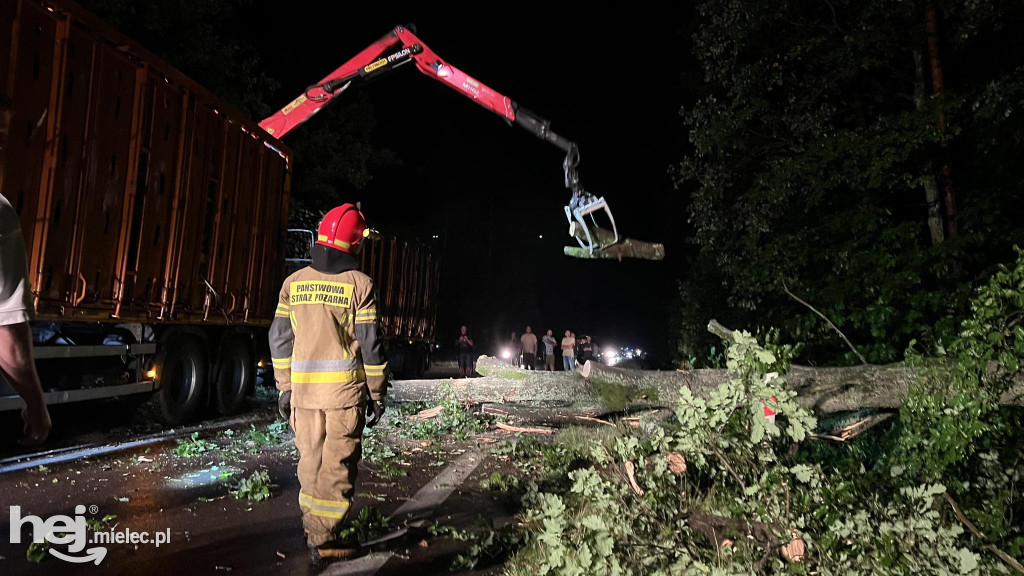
[{"x": 401, "y": 46}]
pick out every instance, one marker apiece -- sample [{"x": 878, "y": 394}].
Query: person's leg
[
  {"x": 310, "y": 434},
  {"x": 335, "y": 485}
]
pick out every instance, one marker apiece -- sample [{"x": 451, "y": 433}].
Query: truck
[
  {"x": 155, "y": 217},
  {"x": 407, "y": 274}
]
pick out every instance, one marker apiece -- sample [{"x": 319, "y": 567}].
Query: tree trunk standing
[
  {"x": 931, "y": 187},
  {"x": 931, "y": 25}
]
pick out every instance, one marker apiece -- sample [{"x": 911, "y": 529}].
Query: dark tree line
[{"x": 863, "y": 155}]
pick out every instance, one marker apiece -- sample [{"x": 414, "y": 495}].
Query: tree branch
[
  {"x": 713, "y": 527},
  {"x": 974, "y": 530},
  {"x": 729, "y": 468},
  {"x": 823, "y": 317}
]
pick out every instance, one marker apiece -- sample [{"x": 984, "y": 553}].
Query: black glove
[
  {"x": 374, "y": 411},
  {"x": 284, "y": 405}
]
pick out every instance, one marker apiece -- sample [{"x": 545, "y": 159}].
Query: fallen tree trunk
[
  {"x": 823, "y": 390},
  {"x": 567, "y": 415}
]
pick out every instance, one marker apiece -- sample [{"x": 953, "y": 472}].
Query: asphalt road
[{"x": 187, "y": 498}]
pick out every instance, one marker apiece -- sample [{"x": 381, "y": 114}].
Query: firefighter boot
[{"x": 338, "y": 549}]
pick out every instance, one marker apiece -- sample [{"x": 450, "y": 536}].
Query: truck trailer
[{"x": 156, "y": 221}]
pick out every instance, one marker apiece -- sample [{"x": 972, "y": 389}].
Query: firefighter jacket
[{"x": 325, "y": 339}]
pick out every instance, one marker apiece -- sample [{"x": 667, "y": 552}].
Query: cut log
[
  {"x": 624, "y": 248},
  {"x": 627, "y": 248}
]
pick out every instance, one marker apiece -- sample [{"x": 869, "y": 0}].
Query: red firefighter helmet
[{"x": 342, "y": 228}]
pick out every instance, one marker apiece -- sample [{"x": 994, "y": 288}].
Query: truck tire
[
  {"x": 182, "y": 378},
  {"x": 235, "y": 377}
]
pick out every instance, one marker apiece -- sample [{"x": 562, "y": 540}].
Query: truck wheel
[
  {"x": 182, "y": 378},
  {"x": 235, "y": 376}
]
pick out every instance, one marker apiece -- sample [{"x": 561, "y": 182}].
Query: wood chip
[
  {"x": 676, "y": 463},
  {"x": 589, "y": 419},
  {"x": 427, "y": 414},
  {"x": 796, "y": 549},
  {"x": 507, "y": 428},
  {"x": 424, "y": 544},
  {"x": 281, "y": 554},
  {"x": 856, "y": 429},
  {"x": 631, "y": 474}
]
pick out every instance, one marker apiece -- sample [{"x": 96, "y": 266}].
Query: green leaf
[
  {"x": 584, "y": 556},
  {"x": 37, "y": 551},
  {"x": 595, "y": 523},
  {"x": 802, "y": 472},
  {"x": 968, "y": 561}
]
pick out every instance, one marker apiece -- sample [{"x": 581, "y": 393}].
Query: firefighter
[{"x": 325, "y": 342}]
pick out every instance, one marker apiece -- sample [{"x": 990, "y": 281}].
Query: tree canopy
[{"x": 819, "y": 146}]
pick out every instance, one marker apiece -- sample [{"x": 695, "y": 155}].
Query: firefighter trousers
[{"x": 330, "y": 447}]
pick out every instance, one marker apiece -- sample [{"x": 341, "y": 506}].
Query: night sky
[{"x": 611, "y": 82}]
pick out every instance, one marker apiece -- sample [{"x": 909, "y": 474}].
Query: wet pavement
[{"x": 180, "y": 487}]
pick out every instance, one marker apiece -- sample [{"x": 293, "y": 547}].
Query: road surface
[{"x": 178, "y": 484}]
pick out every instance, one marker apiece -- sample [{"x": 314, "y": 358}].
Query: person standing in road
[
  {"x": 568, "y": 352},
  {"x": 549, "y": 352},
  {"x": 329, "y": 363},
  {"x": 529, "y": 349},
  {"x": 588, "y": 350},
  {"x": 17, "y": 364},
  {"x": 465, "y": 347},
  {"x": 515, "y": 350}
]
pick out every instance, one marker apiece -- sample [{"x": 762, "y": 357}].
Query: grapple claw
[{"x": 590, "y": 237}]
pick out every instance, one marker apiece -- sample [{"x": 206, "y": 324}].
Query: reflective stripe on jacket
[{"x": 325, "y": 340}]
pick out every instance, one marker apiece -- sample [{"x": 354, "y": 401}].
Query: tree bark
[
  {"x": 931, "y": 187},
  {"x": 931, "y": 25}
]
